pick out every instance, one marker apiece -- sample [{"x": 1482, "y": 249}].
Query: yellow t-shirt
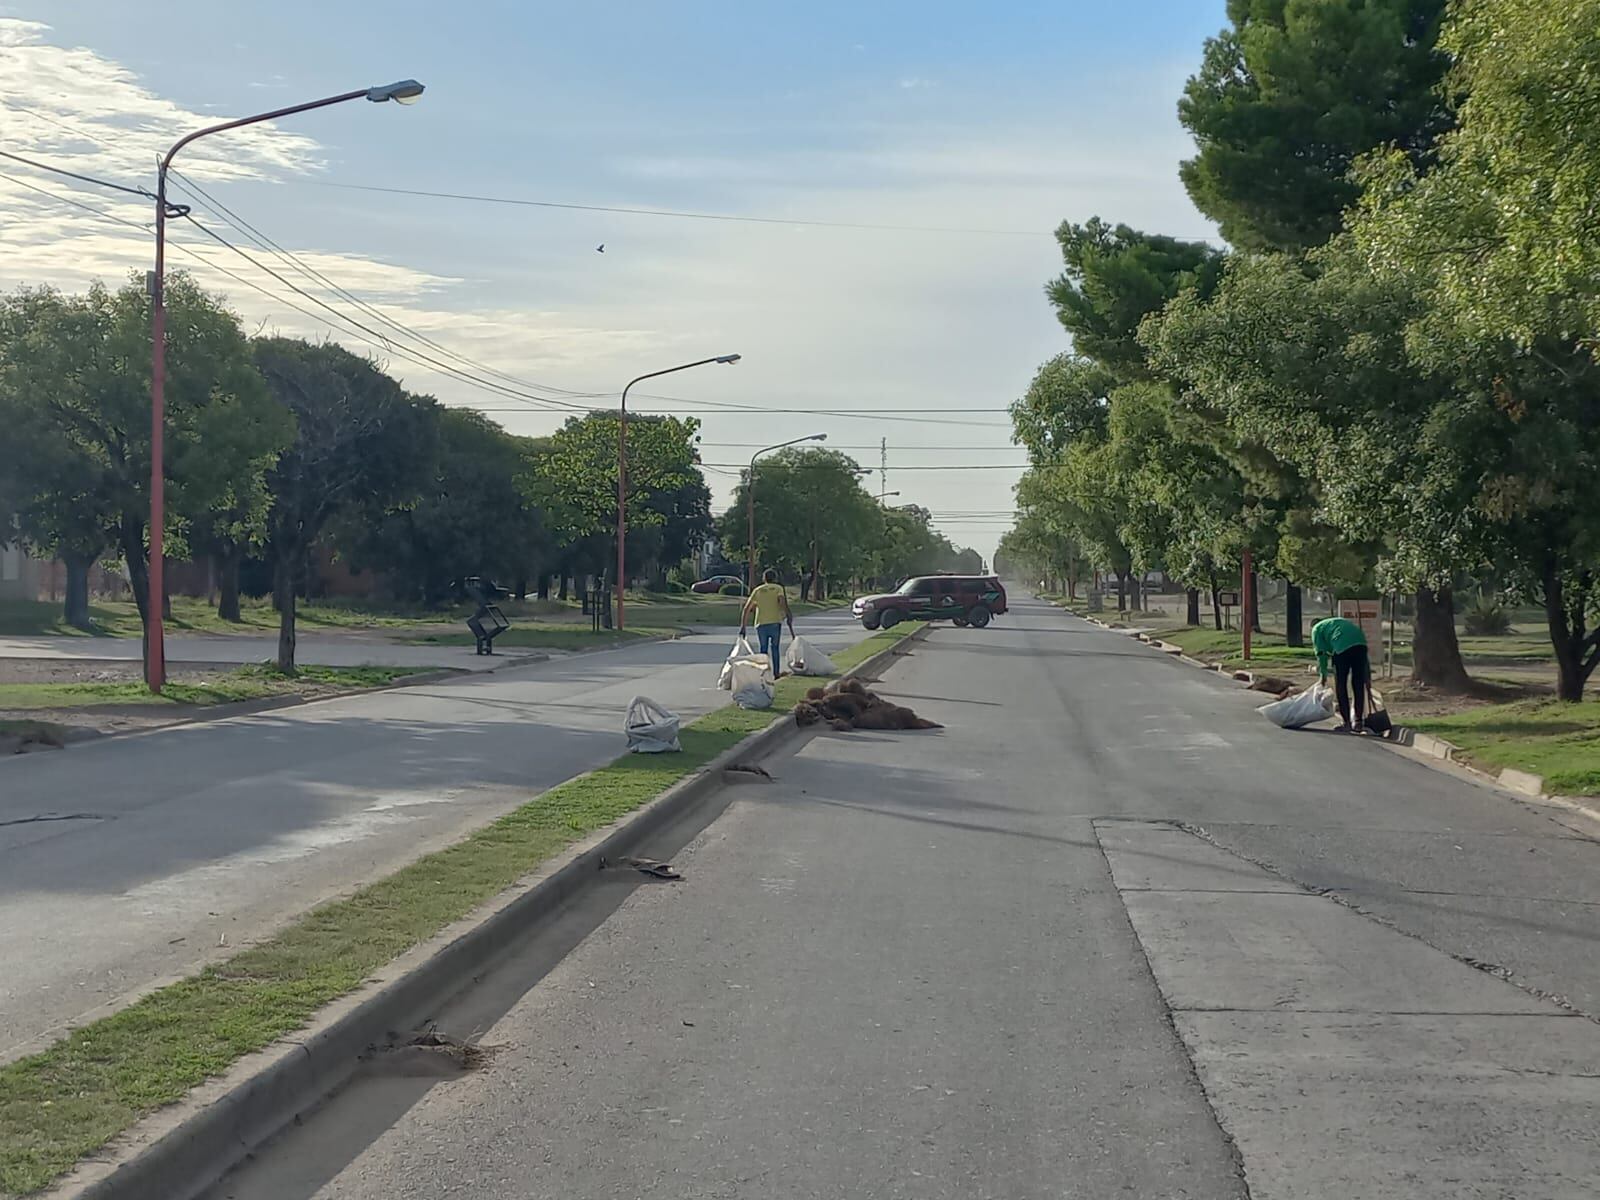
[{"x": 767, "y": 600}]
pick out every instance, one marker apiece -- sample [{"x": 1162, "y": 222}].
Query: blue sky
[{"x": 1006, "y": 117}]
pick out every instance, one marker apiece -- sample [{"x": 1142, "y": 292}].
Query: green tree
[
  {"x": 1292, "y": 94},
  {"x": 1066, "y": 402},
  {"x": 1504, "y": 231},
  {"x": 362, "y": 444},
  {"x": 1501, "y": 242},
  {"x": 470, "y": 516},
  {"x": 1308, "y": 360},
  {"x": 75, "y": 395},
  {"x": 813, "y": 517},
  {"x": 1115, "y": 277},
  {"x": 572, "y": 478}
]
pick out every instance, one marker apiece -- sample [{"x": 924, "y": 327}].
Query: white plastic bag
[
  {"x": 651, "y": 729},
  {"x": 1304, "y": 708},
  {"x": 805, "y": 659},
  {"x": 742, "y": 652}
]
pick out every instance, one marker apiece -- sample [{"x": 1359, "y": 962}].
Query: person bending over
[{"x": 1339, "y": 643}]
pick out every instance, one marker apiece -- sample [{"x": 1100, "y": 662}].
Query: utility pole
[{"x": 883, "y": 469}]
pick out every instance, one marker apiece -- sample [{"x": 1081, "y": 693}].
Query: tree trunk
[
  {"x": 521, "y": 587},
  {"x": 1254, "y": 615},
  {"x": 544, "y": 587},
  {"x": 1293, "y": 622},
  {"x": 1568, "y": 636},
  {"x": 1435, "y": 653},
  {"x": 562, "y": 595},
  {"x": 75, "y": 610},
  {"x": 1072, "y": 577},
  {"x": 1122, "y": 591},
  {"x": 283, "y": 596},
  {"x": 1192, "y": 598},
  {"x": 227, "y": 568}
]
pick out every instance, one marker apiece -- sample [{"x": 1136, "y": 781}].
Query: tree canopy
[{"x": 1292, "y": 94}]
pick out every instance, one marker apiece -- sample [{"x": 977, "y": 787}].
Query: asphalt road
[
  {"x": 1078, "y": 943},
  {"x": 128, "y": 861}
]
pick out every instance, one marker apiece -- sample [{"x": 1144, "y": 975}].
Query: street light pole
[
  {"x": 622, "y": 467},
  {"x": 406, "y": 91},
  {"x": 750, "y": 500}
]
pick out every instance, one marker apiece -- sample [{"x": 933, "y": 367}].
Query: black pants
[{"x": 1352, "y": 666}]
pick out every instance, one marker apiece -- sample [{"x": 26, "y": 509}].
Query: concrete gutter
[{"x": 180, "y": 1151}]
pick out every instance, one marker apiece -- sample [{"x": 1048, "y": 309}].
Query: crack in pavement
[{"x": 34, "y": 820}]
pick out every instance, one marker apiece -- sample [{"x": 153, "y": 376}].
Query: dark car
[
  {"x": 715, "y": 584},
  {"x": 964, "y": 599}
]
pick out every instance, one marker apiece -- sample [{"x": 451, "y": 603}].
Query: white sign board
[{"x": 1369, "y": 615}]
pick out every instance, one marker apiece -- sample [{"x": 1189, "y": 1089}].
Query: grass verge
[
  {"x": 71, "y": 1099},
  {"x": 1545, "y": 737},
  {"x": 245, "y": 683}
]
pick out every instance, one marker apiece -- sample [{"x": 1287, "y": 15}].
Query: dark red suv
[{"x": 964, "y": 599}]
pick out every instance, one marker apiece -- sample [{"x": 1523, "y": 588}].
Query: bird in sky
[{"x": 600, "y": 249}]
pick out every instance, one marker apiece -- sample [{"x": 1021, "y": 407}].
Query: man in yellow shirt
[{"x": 769, "y": 603}]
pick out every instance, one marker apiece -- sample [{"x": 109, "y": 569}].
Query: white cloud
[
  {"x": 859, "y": 320},
  {"x": 911, "y": 82}
]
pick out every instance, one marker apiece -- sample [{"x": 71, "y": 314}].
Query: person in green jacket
[{"x": 1340, "y": 643}]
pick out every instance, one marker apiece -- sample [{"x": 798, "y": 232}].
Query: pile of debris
[{"x": 847, "y": 704}]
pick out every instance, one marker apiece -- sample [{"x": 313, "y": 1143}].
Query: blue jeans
[{"x": 769, "y": 636}]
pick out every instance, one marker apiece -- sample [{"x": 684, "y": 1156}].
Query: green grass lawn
[
  {"x": 1545, "y": 737},
  {"x": 245, "y": 683},
  {"x": 71, "y": 1099}
]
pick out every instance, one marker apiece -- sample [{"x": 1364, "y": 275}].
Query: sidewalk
[{"x": 324, "y": 649}]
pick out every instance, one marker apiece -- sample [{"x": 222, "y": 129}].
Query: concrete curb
[{"x": 178, "y": 1152}]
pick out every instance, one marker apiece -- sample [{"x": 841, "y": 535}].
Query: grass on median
[
  {"x": 71, "y": 1099},
  {"x": 1551, "y": 738},
  {"x": 245, "y": 683}
]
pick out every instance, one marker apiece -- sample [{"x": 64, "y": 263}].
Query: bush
[
  {"x": 732, "y": 589},
  {"x": 1488, "y": 618},
  {"x": 674, "y": 588}
]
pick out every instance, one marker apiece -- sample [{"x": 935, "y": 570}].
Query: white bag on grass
[
  {"x": 742, "y": 652},
  {"x": 651, "y": 729},
  {"x": 1314, "y": 704},
  {"x": 805, "y": 659}
]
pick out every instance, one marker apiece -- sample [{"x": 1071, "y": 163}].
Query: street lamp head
[
  {"x": 407, "y": 91},
  {"x": 726, "y": 358},
  {"x": 817, "y": 437}
]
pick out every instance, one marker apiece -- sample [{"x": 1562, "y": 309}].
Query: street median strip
[{"x": 67, "y": 1102}]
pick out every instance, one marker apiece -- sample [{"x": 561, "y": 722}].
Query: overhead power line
[
  {"x": 682, "y": 214},
  {"x": 525, "y": 393},
  {"x": 105, "y": 183}
]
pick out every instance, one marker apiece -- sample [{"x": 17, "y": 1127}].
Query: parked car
[
  {"x": 964, "y": 599},
  {"x": 714, "y": 584}
]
